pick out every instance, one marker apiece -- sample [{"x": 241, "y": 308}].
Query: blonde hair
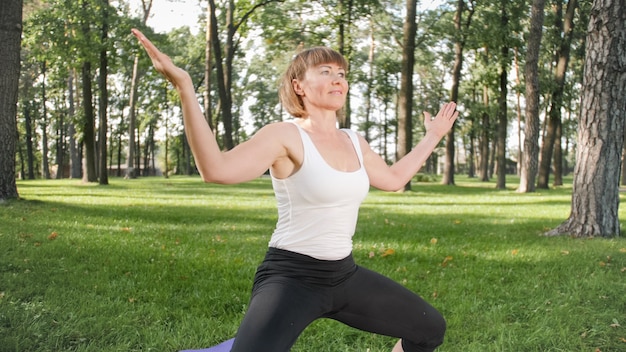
[{"x": 304, "y": 60}]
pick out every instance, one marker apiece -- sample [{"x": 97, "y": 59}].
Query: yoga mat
[{"x": 222, "y": 347}]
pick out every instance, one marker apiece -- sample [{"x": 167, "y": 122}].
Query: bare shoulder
[
  {"x": 279, "y": 127},
  {"x": 283, "y": 132},
  {"x": 364, "y": 144}
]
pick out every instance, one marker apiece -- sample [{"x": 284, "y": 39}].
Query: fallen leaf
[
  {"x": 446, "y": 260},
  {"x": 515, "y": 251},
  {"x": 53, "y": 236},
  {"x": 622, "y": 250},
  {"x": 388, "y": 252},
  {"x": 371, "y": 254},
  {"x": 565, "y": 252},
  {"x": 433, "y": 241},
  {"x": 125, "y": 229}
]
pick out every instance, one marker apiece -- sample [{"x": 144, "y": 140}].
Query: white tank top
[{"x": 318, "y": 206}]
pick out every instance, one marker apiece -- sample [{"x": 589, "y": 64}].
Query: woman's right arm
[{"x": 246, "y": 161}]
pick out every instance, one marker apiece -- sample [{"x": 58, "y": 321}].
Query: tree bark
[
  {"x": 45, "y": 169},
  {"x": 10, "y": 42},
  {"x": 221, "y": 85},
  {"x": 530, "y": 155},
  {"x": 208, "y": 55},
  {"x": 448, "y": 170},
  {"x": 595, "y": 195},
  {"x": 89, "y": 143},
  {"x": 103, "y": 178},
  {"x": 405, "y": 100},
  {"x": 565, "y": 26},
  {"x": 75, "y": 150},
  {"x": 502, "y": 105}
]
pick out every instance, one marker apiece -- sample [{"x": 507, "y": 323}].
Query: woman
[{"x": 320, "y": 176}]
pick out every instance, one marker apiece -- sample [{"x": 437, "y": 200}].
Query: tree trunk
[
  {"x": 502, "y": 106},
  {"x": 75, "y": 153},
  {"x": 89, "y": 143},
  {"x": 344, "y": 43},
  {"x": 565, "y": 28},
  {"x": 485, "y": 155},
  {"x": 146, "y": 6},
  {"x": 60, "y": 146},
  {"x": 28, "y": 127},
  {"x": 530, "y": 156},
  {"x": 45, "y": 163},
  {"x": 221, "y": 87},
  {"x": 595, "y": 197},
  {"x": 623, "y": 178},
  {"x": 10, "y": 42},
  {"x": 558, "y": 155},
  {"x": 104, "y": 97},
  {"x": 484, "y": 147},
  {"x": 369, "y": 84},
  {"x": 132, "y": 118},
  {"x": 208, "y": 55},
  {"x": 448, "y": 170},
  {"x": 405, "y": 99}
]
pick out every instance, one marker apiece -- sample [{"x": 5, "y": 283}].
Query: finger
[
  {"x": 146, "y": 43},
  {"x": 450, "y": 109}
]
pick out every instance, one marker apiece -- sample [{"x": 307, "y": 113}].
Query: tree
[
  {"x": 460, "y": 27},
  {"x": 502, "y": 101},
  {"x": 146, "y": 5},
  {"x": 595, "y": 195},
  {"x": 405, "y": 100},
  {"x": 565, "y": 27},
  {"x": 10, "y": 41},
  {"x": 104, "y": 96},
  {"x": 531, "y": 76}
]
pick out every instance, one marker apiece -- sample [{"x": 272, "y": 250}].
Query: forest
[
  {"x": 92, "y": 107},
  {"x": 539, "y": 86}
]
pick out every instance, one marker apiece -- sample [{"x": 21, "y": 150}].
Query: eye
[{"x": 341, "y": 74}]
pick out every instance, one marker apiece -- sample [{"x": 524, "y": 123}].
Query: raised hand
[
  {"x": 443, "y": 121},
  {"x": 162, "y": 63}
]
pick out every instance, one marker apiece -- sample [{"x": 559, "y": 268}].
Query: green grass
[{"x": 166, "y": 264}]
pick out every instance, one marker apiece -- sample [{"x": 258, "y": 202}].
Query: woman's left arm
[{"x": 394, "y": 177}]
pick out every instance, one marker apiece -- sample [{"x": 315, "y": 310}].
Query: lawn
[{"x": 158, "y": 264}]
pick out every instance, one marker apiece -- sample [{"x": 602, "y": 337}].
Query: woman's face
[{"x": 323, "y": 87}]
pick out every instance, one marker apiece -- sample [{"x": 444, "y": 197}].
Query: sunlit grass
[{"x": 166, "y": 264}]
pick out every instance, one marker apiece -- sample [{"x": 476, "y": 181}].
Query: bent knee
[{"x": 427, "y": 337}]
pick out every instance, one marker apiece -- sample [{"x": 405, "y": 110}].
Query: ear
[{"x": 296, "y": 87}]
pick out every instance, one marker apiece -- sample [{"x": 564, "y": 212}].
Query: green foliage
[{"x": 159, "y": 264}]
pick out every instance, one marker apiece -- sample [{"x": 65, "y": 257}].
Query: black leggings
[{"x": 292, "y": 290}]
